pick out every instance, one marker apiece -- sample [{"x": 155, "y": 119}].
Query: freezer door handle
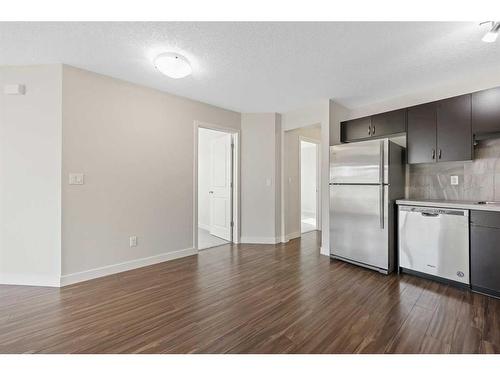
[{"x": 381, "y": 164}]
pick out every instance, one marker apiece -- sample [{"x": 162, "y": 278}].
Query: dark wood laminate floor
[{"x": 249, "y": 299}]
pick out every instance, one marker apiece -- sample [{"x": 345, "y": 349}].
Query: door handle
[
  {"x": 429, "y": 214},
  {"x": 433, "y": 154},
  {"x": 439, "y": 155},
  {"x": 210, "y": 192}
]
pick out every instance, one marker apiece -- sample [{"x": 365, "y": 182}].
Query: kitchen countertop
[{"x": 466, "y": 205}]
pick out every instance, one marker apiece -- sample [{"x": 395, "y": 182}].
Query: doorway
[
  {"x": 309, "y": 185},
  {"x": 215, "y": 176}
]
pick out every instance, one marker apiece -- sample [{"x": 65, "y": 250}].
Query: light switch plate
[
  {"x": 454, "y": 180},
  {"x": 76, "y": 179},
  {"x": 14, "y": 89},
  {"x": 132, "y": 241}
]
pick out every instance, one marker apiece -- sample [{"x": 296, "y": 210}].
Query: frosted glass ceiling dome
[{"x": 173, "y": 65}]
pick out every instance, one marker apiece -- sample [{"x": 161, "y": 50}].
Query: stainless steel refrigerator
[{"x": 365, "y": 180}]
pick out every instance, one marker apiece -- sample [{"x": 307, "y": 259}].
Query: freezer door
[
  {"x": 360, "y": 162},
  {"x": 358, "y": 224}
]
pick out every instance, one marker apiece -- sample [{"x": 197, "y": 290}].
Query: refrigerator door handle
[{"x": 381, "y": 187}]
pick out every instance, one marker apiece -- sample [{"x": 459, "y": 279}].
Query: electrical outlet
[
  {"x": 454, "y": 180},
  {"x": 132, "y": 241}
]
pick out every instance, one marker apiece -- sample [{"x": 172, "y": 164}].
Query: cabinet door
[
  {"x": 421, "y": 128},
  {"x": 389, "y": 123},
  {"x": 486, "y": 111},
  {"x": 354, "y": 130},
  {"x": 454, "y": 130},
  {"x": 484, "y": 252}
]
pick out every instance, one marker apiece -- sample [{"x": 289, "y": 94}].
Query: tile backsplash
[{"x": 477, "y": 180}]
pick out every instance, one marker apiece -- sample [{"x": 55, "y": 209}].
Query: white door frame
[
  {"x": 235, "y": 194},
  {"x": 318, "y": 180}
]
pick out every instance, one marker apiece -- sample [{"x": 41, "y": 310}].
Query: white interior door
[
  {"x": 309, "y": 186},
  {"x": 220, "y": 187}
]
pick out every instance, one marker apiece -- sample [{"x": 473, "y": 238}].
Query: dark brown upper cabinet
[
  {"x": 454, "y": 129},
  {"x": 440, "y": 131},
  {"x": 421, "y": 134},
  {"x": 444, "y": 130},
  {"x": 354, "y": 130},
  {"x": 389, "y": 123},
  {"x": 380, "y": 125},
  {"x": 486, "y": 113}
]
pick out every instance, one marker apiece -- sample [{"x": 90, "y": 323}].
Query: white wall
[
  {"x": 278, "y": 164},
  {"x": 136, "y": 148},
  {"x": 205, "y": 138},
  {"x": 260, "y": 171},
  {"x": 291, "y": 176},
  {"x": 308, "y": 177},
  {"x": 30, "y": 176}
]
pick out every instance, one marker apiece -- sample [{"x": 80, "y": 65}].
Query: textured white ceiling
[{"x": 265, "y": 67}]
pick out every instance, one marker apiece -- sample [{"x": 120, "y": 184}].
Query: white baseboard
[
  {"x": 32, "y": 280},
  {"x": 204, "y": 226},
  {"x": 77, "y": 277},
  {"x": 260, "y": 240},
  {"x": 270, "y": 240},
  {"x": 290, "y": 236}
]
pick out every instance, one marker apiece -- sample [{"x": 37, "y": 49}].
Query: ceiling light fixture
[
  {"x": 173, "y": 65},
  {"x": 491, "y": 35}
]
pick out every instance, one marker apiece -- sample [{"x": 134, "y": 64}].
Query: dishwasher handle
[
  {"x": 430, "y": 214},
  {"x": 434, "y": 211}
]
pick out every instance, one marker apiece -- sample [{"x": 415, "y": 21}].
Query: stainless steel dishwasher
[{"x": 434, "y": 241}]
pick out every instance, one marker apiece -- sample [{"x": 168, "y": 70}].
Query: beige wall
[
  {"x": 260, "y": 177},
  {"x": 30, "y": 176},
  {"x": 338, "y": 113},
  {"x": 292, "y": 175},
  {"x": 136, "y": 148},
  {"x": 320, "y": 113}
]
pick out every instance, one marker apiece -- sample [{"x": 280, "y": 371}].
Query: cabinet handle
[
  {"x": 433, "y": 154},
  {"x": 373, "y": 130},
  {"x": 439, "y": 155},
  {"x": 369, "y": 130}
]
